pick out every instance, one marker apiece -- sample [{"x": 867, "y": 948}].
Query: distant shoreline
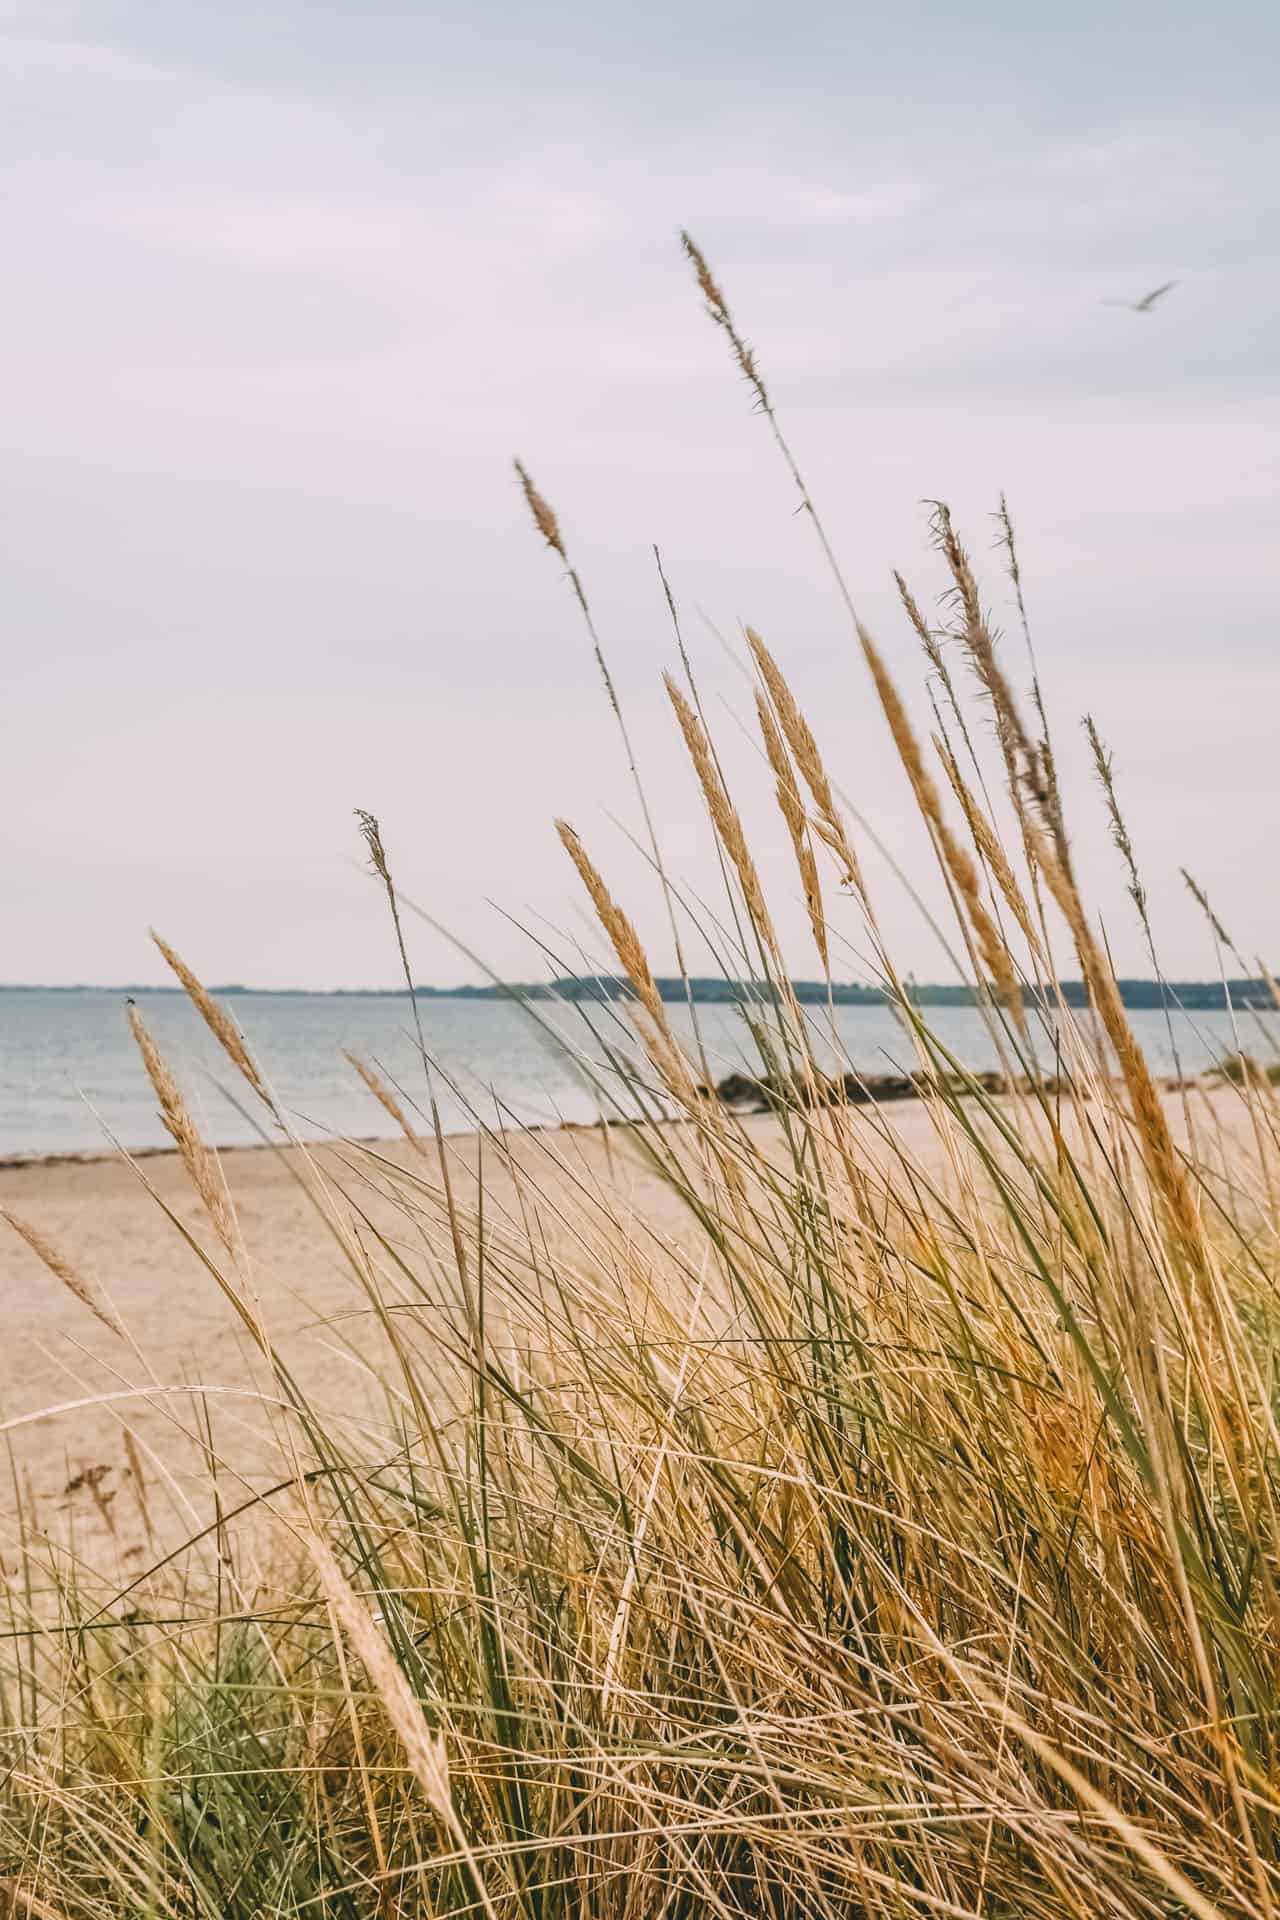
[
  {"x": 98, "y": 1156},
  {"x": 1191, "y": 996}
]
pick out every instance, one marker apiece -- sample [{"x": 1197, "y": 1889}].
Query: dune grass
[{"x": 898, "y": 1540}]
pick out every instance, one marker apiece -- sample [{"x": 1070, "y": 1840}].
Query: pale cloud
[
  {"x": 888, "y": 202},
  {"x": 338, "y": 232},
  {"x": 23, "y": 54},
  {"x": 284, "y": 232},
  {"x": 279, "y": 327}
]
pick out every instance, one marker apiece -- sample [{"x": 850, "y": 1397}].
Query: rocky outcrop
[{"x": 745, "y": 1093}]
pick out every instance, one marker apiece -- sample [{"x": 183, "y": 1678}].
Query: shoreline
[
  {"x": 741, "y": 1094},
  {"x": 92, "y": 1157},
  {"x": 53, "y": 1157}
]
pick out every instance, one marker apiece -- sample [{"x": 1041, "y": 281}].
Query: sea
[{"x": 71, "y": 1080}]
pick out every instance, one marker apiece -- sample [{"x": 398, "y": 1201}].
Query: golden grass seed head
[
  {"x": 543, "y": 517},
  {"x": 219, "y": 1023},
  {"x": 829, "y": 823},
  {"x": 724, "y": 815},
  {"x": 382, "y": 1094},
  {"x": 62, "y": 1269},
  {"x": 633, "y": 963},
  {"x": 196, "y": 1158},
  {"x": 988, "y": 844},
  {"x": 718, "y": 308},
  {"x": 992, "y": 949},
  {"x": 793, "y": 812},
  {"x": 1119, "y": 831},
  {"x": 371, "y": 834},
  {"x": 424, "y": 1747},
  {"x": 706, "y": 280}
]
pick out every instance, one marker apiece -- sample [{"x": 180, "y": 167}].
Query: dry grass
[
  {"x": 828, "y": 820},
  {"x": 62, "y": 1269},
  {"x": 201, "y": 1167},
  {"x": 218, "y": 1021},
  {"x": 791, "y": 807},
  {"x": 384, "y": 1096},
  {"x": 957, "y": 860},
  {"x": 893, "y": 1542}
]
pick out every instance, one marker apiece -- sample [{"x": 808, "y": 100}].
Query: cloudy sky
[{"x": 287, "y": 286}]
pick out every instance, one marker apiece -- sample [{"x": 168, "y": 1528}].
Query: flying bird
[{"x": 1147, "y": 301}]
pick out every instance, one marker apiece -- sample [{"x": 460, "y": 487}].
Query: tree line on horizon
[{"x": 1193, "y": 996}]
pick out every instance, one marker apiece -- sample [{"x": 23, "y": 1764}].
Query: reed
[
  {"x": 725, "y": 820},
  {"x": 382, "y": 1093},
  {"x": 956, "y": 861},
  {"x": 219, "y": 1022},
  {"x": 792, "y": 809},
  {"x": 990, "y": 849},
  {"x": 828, "y": 821},
  {"x": 202, "y": 1169},
  {"x": 661, "y": 1043},
  {"x": 76, "y": 1283}
]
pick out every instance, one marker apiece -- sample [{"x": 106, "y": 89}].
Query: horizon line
[{"x": 472, "y": 990}]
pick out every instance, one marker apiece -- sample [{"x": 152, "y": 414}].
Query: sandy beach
[
  {"x": 187, "y": 1372},
  {"x": 69, "y": 1388}
]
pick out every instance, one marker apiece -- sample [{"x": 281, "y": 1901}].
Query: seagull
[{"x": 1147, "y": 301}]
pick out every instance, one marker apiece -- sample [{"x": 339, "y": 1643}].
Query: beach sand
[
  {"x": 69, "y": 1388},
  {"x": 188, "y": 1372}
]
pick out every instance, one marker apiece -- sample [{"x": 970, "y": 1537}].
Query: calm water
[{"x": 69, "y": 1071}]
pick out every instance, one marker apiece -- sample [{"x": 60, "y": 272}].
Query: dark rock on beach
[{"x": 745, "y": 1093}]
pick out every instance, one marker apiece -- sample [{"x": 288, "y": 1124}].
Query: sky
[{"x": 288, "y": 287}]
